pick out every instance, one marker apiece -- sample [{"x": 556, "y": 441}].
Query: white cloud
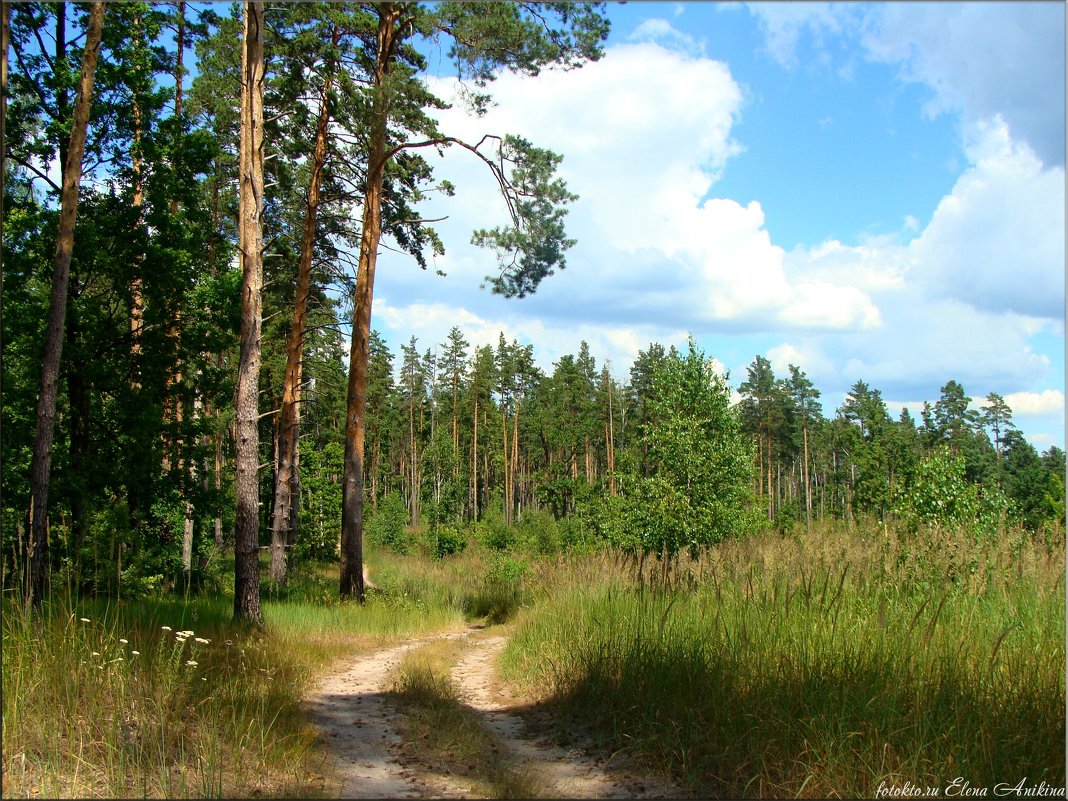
[
  {"x": 645, "y": 132},
  {"x": 662, "y": 32},
  {"x": 430, "y": 324},
  {"x": 977, "y": 59},
  {"x": 784, "y": 24},
  {"x": 982, "y": 59},
  {"x": 1033, "y": 404},
  {"x": 997, "y": 240}
]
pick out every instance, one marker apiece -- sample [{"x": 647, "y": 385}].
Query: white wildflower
[
  {"x": 95, "y": 653},
  {"x": 201, "y": 640},
  {"x": 191, "y": 663},
  {"x": 124, "y": 642},
  {"x": 166, "y": 628},
  {"x": 85, "y": 620},
  {"x": 135, "y": 653}
]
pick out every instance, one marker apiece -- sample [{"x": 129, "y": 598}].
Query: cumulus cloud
[
  {"x": 646, "y": 132},
  {"x": 615, "y": 345},
  {"x": 1033, "y": 404},
  {"x": 976, "y": 59},
  {"x": 997, "y": 240},
  {"x": 982, "y": 59}
]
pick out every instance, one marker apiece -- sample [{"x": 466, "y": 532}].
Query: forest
[{"x": 200, "y": 420}]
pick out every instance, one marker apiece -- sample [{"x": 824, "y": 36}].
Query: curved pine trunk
[
  {"x": 351, "y": 579},
  {"x": 40, "y": 469},
  {"x": 283, "y": 526}
]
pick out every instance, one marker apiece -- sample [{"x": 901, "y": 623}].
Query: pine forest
[{"x": 219, "y": 478}]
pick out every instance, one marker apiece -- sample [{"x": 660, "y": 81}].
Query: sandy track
[
  {"x": 565, "y": 773},
  {"x": 349, "y": 709}
]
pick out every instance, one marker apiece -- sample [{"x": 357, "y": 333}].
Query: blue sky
[{"x": 870, "y": 191}]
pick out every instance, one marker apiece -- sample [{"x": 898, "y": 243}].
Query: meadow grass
[
  {"x": 167, "y": 698},
  {"x": 816, "y": 666},
  {"x": 448, "y": 735}
]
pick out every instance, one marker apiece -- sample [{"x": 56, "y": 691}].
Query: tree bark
[
  {"x": 247, "y": 528},
  {"x": 283, "y": 527},
  {"x": 351, "y": 578},
  {"x": 37, "y": 524},
  {"x": 808, "y": 486},
  {"x": 474, "y": 463}
]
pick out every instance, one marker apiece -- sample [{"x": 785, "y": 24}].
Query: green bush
[
  {"x": 491, "y": 530},
  {"x": 501, "y": 592},
  {"x": 539, "y": 532},
  {"x": 448, "y": 540},
  {"x": 386, "y": 526}
]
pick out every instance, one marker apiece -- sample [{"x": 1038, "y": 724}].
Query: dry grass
[
  {"x": 818, "y": 665},
  {"x": 448, "y": 736}
]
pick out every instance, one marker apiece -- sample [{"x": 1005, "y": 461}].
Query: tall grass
[
  {"x": 820, "y": 665},
  {"x": 120, "y": 700}
]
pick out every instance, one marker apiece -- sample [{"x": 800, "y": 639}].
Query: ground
[{"x": 353, "y": 709}]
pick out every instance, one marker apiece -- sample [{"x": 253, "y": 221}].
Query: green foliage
[
  {"x": 448, "y": 540},
  {"x": 320, "y": 512},
  {"x": 492, "y": 531},
  {"x": 939, "y": 494},
  {"x": 698, "y": 492},
  {"x": 386, "y": 526},
  {"x": 502, "y": 590},
  {"x": 539, "y": 532}
]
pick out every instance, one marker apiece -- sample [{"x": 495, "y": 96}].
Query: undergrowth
[
  {"x": 166, "y": 698},
  {"x": 818, "y": 666}
]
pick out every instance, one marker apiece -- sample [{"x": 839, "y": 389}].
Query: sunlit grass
[
  {"x": 166, "y": 698},
  {"x": 819, "y": 666},
  {"x": 448, "y": 735}
]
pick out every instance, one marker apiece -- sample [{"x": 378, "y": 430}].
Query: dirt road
[{"x": 351, "y": 709}]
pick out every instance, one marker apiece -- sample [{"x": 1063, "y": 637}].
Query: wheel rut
[{"x": 351, "y": 709}]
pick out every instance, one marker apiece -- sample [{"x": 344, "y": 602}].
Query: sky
[{"x": 870, "y": 192}]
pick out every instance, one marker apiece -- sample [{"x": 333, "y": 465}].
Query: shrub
[
  {"x": 386, "y": 527},
  {"x": 539, "y": 532},
  {"x": 449, "y": 540},
  {"x": 501, "y": 591}
]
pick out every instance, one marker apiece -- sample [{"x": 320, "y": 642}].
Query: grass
[
  {"x": 447, "y": 735},
  {"x": 817, "y": 666},
  {"x": 100, "y": 700},
  {"x": 820, "y": 664}
]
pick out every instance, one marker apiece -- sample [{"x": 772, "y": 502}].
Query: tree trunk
[
  {"x": 218, "y": 473},
  {"x": 474, "y": 464},
  {"x": 78, "y": 397},
  {"x": 506, "y": 466},
  {"x": 247, "y": 455},
  {"x": 283, "y": 528},
  {"x": 351, "y": 578},
  {"x": 611, "y": 455},
  {"x": 37, "y": 524},
  {"x": 808, "y": 486}
]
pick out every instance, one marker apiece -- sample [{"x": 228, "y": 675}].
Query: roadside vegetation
[{"x": 818, "y": 665}]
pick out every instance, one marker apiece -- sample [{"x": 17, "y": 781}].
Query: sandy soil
[{"x": 350, "y": 710}]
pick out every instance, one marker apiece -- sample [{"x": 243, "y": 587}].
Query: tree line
[
  {"x": 202, "y": 239},
  {"x": 178, "y": 308}
]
